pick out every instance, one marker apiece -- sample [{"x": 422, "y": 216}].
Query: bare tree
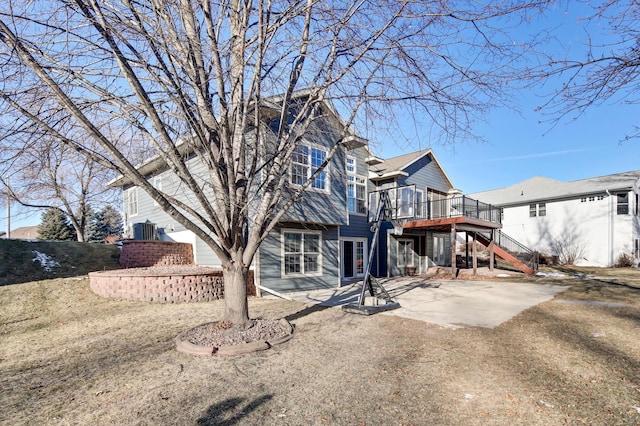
[
  {"x": 46, "y": 174},
  {"x": 609, "y": 68},
  {"x": 206, "y": 78},
  {"x": 568, "y": 246}
]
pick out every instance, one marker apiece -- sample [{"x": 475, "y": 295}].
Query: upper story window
[
  {"x": 539, "y": 209},
  {"x": 131, "y": 201},
  {"x": 622, "y": 203},
  {"x": 419, "y": 203},
  {"x": 304, "y": 163},
  {"x": 356, "y": 189},
  {"x": 157, "y": 184}
]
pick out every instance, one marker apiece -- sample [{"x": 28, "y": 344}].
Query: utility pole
[{"x": 8, "y": 209}]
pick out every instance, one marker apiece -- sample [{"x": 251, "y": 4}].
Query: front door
[{"x": 353, "y": 253}]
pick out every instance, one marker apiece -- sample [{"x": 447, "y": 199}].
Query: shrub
[
  {"x": 568, "y": 247},
  {"x": 625, "y": 260}
]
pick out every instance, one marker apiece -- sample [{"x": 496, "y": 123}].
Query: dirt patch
[{"x": 68, "y": 356}]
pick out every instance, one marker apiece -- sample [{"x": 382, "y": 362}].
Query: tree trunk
[{"x": 236, "y": 304}]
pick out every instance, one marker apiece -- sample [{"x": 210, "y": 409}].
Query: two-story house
[
  {"x": 593, "y": 220},
  {"x": 316, "y": 244}
]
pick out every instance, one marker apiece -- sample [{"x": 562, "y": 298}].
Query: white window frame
[
  {"x": 537, "y": 210},
  {"x": 283, "y": 254},
  {"x": 406, "y": 202},
  {"x": 625, "y": 197},
  {"x": 157, "y": 184},
  {"x": 357, "y": 269},
  {"x": 130, "y": 198},
  {"x": 400, "y": 260},
  {"x": 308, "y": 167},
  {"x": 420, "y": 203},
  {"x": 355, "y": 182}
]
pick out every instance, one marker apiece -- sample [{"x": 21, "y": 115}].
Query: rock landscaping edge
[{"x": 189, "y": 348}]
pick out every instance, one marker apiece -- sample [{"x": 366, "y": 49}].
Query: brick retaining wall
[
  {"x": 180, "y": 286},
  {"x": 141, "y": 253}
]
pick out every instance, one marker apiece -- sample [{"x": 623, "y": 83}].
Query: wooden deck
[{"x": 460, "y": 223}]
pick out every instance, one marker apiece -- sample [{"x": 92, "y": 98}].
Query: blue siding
[
  {"x": 425, "y": 173},
  {"x": 271, "y": 275},
  {"x": 318, "y": 206}
]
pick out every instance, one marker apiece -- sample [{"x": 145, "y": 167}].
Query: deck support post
[
  {"x": 475, "y": 255},
  {"x": 453, "y": 251},
  {"x": 492, "y": 256},
  {"x": 466, "y": 250}
]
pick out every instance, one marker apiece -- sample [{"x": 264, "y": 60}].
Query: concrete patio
[{"x": 448, "y": 303}]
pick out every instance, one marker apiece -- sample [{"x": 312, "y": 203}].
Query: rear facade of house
[{"x": 325, "y": 238}]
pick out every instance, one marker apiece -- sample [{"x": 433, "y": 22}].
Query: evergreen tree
[
  {"x": 55, "y": 226},
  {"x": 107, "y": 221}
]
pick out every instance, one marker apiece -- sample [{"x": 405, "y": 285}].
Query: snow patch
[
  {"x": 550, "y": 274},
  {"x": 46, "y": 262}
]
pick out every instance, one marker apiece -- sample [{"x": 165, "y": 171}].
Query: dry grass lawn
[{"x": 68, "y": 356}]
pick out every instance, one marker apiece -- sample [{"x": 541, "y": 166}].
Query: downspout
[{"x": 610, "y": 228}]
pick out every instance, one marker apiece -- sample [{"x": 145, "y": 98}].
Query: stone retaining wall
[
  {"x": 142, "y": 253},
  {"x": 167, "y": 286}
]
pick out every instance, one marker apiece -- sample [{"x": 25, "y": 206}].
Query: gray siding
[
  {"x": 319, "y": 206},
  {"x": 271, "y": 275},
  {"x": 425, "y": 173}
]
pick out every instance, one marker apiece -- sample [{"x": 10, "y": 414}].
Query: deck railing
[
  {"x": 457, "y": 207},
  {"x": 525, "y": 254}
]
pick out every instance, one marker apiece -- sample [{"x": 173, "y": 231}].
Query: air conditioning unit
[{"x": 145, "y": 231}]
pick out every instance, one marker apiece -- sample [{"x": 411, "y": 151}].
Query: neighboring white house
[{"x": 594, "y": 219}]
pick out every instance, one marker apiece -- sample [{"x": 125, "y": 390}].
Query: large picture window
[
  {"x": 301, "y": 253},
  {"x": 304, "y": 163}
]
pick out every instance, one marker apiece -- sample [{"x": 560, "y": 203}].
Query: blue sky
[
  {"x": 519, "y": 144},
  {"x": 519, "y": 147},
  {"x": 522, "y": 144}
]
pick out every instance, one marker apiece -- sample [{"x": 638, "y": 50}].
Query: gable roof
[
  {"x": 270, "y": 106},
  {"x": 395, "y": 166},
  {"x": 24, "y": 233},
  {"x": 542, "y": 188}
]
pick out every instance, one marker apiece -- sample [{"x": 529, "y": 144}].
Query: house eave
[
  {"x": 388, "y": 175},
  {"x": 373, "y": 160},
  {"x": 354, "y": 141}
]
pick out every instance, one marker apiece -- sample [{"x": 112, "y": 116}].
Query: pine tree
[
  {"x": 104, "y": 223},
  {"x": 55, "y": 226}
]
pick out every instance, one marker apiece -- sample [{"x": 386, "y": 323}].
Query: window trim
[
  {"x": 127, "y": 201},
  {"x": 356, "y": 180},
  {"x": 283, "y": 273},
  {"x": 309, "y": 168},
  {"x": 157, "y": 184},
  {"x": 538, "y": 209},
  {"x": 420, "y": 204},
  {"x": 622, "y": 208},
  {"x": 412, "y": 245}
]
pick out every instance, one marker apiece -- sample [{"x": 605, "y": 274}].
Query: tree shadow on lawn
[
  {"x": 544, "y": 369},
  {"x": 306, "y": 311},
  {"x": 597, "y": 280},
  {"x": 216, "y": 413}
]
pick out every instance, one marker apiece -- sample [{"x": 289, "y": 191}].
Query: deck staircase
[{"x": 511, "y": 251}]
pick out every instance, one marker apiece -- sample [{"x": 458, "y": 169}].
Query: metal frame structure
[{"x": 384, "y": 212}]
